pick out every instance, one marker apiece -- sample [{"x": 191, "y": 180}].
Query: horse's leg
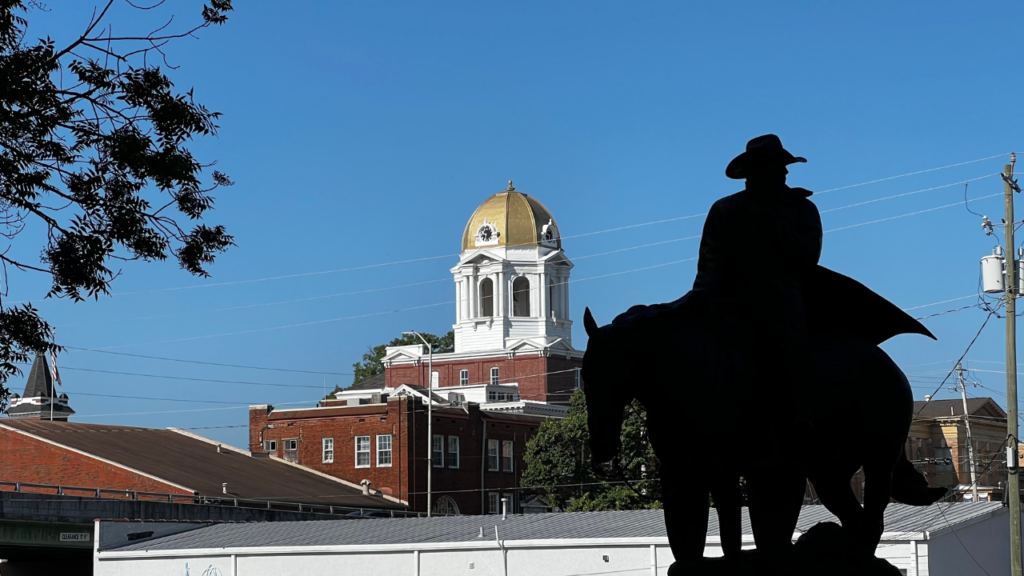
[
  {"x": 686, "y": 516},
  {"x": 877, "y": 488},
  {"x": 833, "y": 488},
  {"x": 776, "y": 496},
  {"x": 725, "y": 491}
]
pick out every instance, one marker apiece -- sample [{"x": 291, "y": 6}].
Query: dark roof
[
  {"x": 899, "y": 518},
  {"x": 371, "y": 383},
  {"x": 980, "y": 407},
  {"x": 40, "y": 382},
  {"x": 196, "y": 464},
  {"x": 329, "y": 411},
  {"x": 42, "y": 410}
]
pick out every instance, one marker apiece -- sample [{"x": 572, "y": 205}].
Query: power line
[
  {"x": 910, "y": 213},
  {"x": 208, "y": 363},
  {"x": 912, "y": 174},
  {"x": 165, "y": 377},
  {"x": 907, "y": 194},
  {"x": 616, "y": 229},
  {"x": 953, "y": 369}
]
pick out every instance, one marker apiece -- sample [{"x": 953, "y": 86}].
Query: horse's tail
[{"x": 910, "y": 487}]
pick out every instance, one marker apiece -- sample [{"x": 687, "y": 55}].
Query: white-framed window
[
  {"x": 384, "y": 450},
  {"x": 453, "y": 451},
  {"x": 362, "y": 451},
  {"x": 492, "y": 455},
  {"x": 437, "y": 458},
  {"x": 291, "y": 450},
  {"x": 493, "y": 501},
  {"x": 270, "y": 446},
  {"x": 327, "y": 450},
  {"x": 463, "y": 377},
  {"x": 578, "y": 379},
  {"x": 506, "y": 455},
  {"x": 492, "y": 396},
  {"x": 495, "y": 380}
]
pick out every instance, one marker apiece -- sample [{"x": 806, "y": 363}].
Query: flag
[{"x": 53, "y": 368}]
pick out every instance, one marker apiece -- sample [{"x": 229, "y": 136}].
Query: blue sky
[{"x": 367, "y": 133}]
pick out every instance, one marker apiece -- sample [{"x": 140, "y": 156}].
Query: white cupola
[{"x": 512, "y": 279}]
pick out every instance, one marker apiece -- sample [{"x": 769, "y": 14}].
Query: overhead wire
[{"x": 582, "y": 235}]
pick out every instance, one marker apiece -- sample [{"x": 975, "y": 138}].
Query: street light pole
[{"x": 430, "y": 414}]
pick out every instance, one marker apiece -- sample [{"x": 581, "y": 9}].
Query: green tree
[
  {"x": 558, "y": 463},
  {"x": 371, "y": 365},
  {"x": 94, "y": 159}
]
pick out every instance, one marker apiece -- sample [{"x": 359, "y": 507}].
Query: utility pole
[
  {"x": 1013, "y": 484},
  {"x": 970, "y": 440}
]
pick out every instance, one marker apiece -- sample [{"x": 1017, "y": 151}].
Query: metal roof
[
  {"x": 196, "y": 463},
  {"x": 577, "y": 525}
]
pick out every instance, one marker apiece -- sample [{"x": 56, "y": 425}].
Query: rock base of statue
[{"x": 824, "y": 549}]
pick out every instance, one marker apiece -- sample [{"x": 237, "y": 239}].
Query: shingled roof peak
[{"x": 40, "y": 381}]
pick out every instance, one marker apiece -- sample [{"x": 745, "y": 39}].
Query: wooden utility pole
[
  {"x": 1013, "y": 483},
  {"x": 970, "y": 440}
]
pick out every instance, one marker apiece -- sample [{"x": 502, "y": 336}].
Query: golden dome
[{"x": 511, "y": 218}]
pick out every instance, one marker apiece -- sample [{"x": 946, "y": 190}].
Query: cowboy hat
[{"x": 762, "y": 150}]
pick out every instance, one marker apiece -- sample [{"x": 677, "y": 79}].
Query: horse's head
[{"x": 603, "y": 386}]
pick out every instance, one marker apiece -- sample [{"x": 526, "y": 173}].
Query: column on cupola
[
  {"x": 542, "y": 290},
  {"x": 458, "y": 301},
  {"x": 565, "y": 295},
  {"x": 474, "y": 289},
  {"x": 556, "y": 295},
  {"x": 499, "y": 294}
]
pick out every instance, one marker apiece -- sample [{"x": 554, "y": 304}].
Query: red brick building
[
  {"x": 477, "y": 453},
  {"x": 83, "y": 458}
]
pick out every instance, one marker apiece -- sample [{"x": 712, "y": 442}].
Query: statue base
[{"x": 824, "y": 549}]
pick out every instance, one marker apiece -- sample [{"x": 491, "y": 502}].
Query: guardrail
[{"x": 196, "y": 498}]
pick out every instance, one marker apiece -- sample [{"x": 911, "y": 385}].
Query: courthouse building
[{"x": 513, "y": 367}]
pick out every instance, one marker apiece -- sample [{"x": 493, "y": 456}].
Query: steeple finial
[{"x": 510, "y": 187}]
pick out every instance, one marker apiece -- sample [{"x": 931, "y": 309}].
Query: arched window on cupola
[
  {"x": 487, "y": 298},
  {"x": 521, "y": 297}
]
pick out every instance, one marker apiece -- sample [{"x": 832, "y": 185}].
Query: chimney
[
  {"x": 224, "y": 486},
  {"x": 366, "y": 487},
  {"x": 927, "y": 397},
  {"x": 504, "y": 507},
  {"x": 218, "y": 448}
]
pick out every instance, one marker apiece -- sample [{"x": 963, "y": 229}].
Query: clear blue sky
[{"x": 367, "y": 133}]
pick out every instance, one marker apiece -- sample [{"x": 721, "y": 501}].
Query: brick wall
[
  {"x": 26, "y": 459},
  {"x": 531, "y": 372},
  {"x": 406, "y": 422}
]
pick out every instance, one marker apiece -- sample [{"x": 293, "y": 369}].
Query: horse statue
[{"x": 705, "y": 432}]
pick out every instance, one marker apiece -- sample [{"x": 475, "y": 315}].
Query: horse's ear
[{"x": 588, "y": 323}]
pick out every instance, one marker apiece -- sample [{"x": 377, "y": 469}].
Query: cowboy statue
[
  {"x": 768, "y": 236},
  {"x": 782, "y": 347}
]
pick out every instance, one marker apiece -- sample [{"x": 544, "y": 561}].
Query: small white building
[{"x": 960, "y": 539}]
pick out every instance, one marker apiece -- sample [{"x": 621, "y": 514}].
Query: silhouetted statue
[{"x": 767, "y": 351}]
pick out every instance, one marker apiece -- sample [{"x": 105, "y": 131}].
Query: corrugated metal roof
[{"x": 579, "y": 525}]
